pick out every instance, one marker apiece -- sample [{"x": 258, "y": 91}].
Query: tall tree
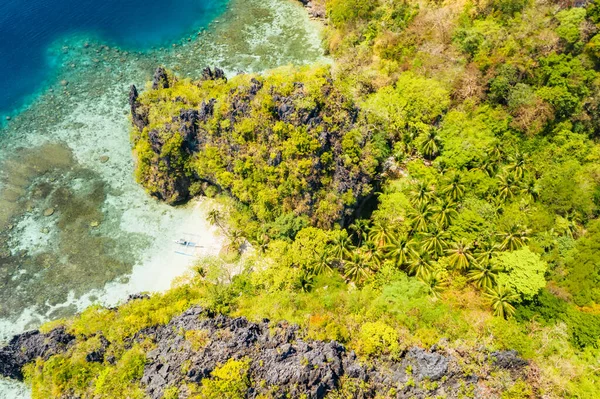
[
  {"x": 514, "y": 238},
  {"x": 340, "y": 246},
  {"x": 430, "y": 147},
  {"x": 517, "y": 164},
  {"x": 460, "y": 255},
  {"x": 436, "y": 282},
  {"x": 501, "y": 299},
  {"x": 486, "y": 251},
  {"x": 483, "y": 275},
  {"x": 507, "y": 186},
  {"x": 420, "y": 217},
  {"x": 361, "y": 229},
  {"x": 357, "y": 268},
  {"x": 400, "y": 249},
  {"x": 321, "y": 262},
  {"x": 379, "y": 234},
  {"x": 420, "y": 265},
  {"x": 421, "y": 194},
  {"x": 454, "y": 188},
  {"x": 435, "y": 240},
  {"x": 445, "y": 211}
]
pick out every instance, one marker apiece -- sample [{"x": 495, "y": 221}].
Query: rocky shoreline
[{"x": 281, "y": 362}]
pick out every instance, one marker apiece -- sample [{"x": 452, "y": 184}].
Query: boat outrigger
[{"x": 187, "y": 245}]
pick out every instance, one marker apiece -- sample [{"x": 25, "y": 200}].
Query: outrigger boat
[{"x": 187, "y": 245}]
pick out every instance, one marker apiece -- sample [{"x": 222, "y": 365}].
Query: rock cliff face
[
  {"x": 27, "y": 347},
  {"x": 169, "y": 182},
  {"x": 305, "y": 136},
  {"x": 282, "y": 363}
]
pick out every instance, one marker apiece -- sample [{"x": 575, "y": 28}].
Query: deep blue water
[{"x": 29, "y": 27}]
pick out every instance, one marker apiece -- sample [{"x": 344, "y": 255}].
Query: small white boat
[
  {"x": 186, "y": 246},
  {"x": 187, "y": 243}
]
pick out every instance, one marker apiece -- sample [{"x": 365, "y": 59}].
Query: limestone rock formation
[{"x": 281, "y": 362}]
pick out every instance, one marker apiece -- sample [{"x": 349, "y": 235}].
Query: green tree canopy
[{"x": 523, "y": 272}]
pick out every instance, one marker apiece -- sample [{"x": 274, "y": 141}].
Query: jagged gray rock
[
  {"x": 209, "y": 74},
  {"x": 160, "y": 79},
  {"x": 139, "y": 117},
  {"x": 281, "y": 363},
  {"x": 27, "y": 347},
  {"x": 508, "y": 360}
]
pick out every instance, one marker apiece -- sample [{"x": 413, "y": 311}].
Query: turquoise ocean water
[{"x": 29, "y": 27}]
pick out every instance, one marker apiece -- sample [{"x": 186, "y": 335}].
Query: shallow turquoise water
[{"x": 29, "y": 27}]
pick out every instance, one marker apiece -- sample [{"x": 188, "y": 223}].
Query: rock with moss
[
  {"x": 288, "y": 142},
  {"x": 195, "y": 352}
]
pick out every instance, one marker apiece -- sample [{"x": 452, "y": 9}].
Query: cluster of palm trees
[
  {"x": 423, "y": 246},
  {"x": 418, "y": 247}
]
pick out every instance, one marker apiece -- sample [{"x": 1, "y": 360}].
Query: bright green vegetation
[
  {"x": 273, "y": 161},
  {"x": 475, "y": 124}
]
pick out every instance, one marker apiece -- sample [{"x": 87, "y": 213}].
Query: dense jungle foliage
[{"x": 474, "y": 124}]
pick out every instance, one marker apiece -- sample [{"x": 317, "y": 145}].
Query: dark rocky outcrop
[
  {"x": 160, "y": 79},
  {"x": 281, "y": 363},
  {"x": 27, "y": 347},
  {"x": 207, "y": 109},
  {"x": 315, "y": 8},
  {"x": 98, "y": 354},
  {"x": 139, "y": 117},
  {"x": 509, "y": 360},
  {"x": 188, "y": 122},
  {"x": 210, "y": 74}
]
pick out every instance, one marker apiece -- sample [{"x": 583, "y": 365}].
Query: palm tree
[
  {"x": 517, "y": 165},
  {"x": 420, "y": 217},
  {"x": 486, "y": 252},
  {"x": 488, "y": 166},
  {"x": 307, "y": 281},
  {"x": 214, "y": 218},
  {"x": 360, "y": 227},
  {"x": 357, "y": 268},
  {"x": 514, "y": 238},
  {"x": 497, "y": 152},
  {"x": 420, "y": 265},
  {"x": 430, "y": 146},
  {"x": 400, "y": 249},
  {"x": 422, "y": 193},
  {"x": 340, "y": 246},
  {"x": 500, "y": 298},
  {"x": 435, "y": 240},
  {"x": 483, "y": 275},
  {"x": 572, "y": 228},
  {"x": 460, "y": 255},
  {"x": 236, "y": 240},
  {"x": 446, "y": 211},
  {"x": 435, "y": 282},
  {"x": 371, "y": 253},
  {"x": 321, "y": 263},
  {"x": 379, "y": 234},
  {"x": 455, "y": 188},
  {"x": 531, "y": 189},
  {"x": 507, "y": 186},
  {"x": 261, "y": 241}
]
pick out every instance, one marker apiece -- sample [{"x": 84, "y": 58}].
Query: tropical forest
[{"x": 414, "y": 216}]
